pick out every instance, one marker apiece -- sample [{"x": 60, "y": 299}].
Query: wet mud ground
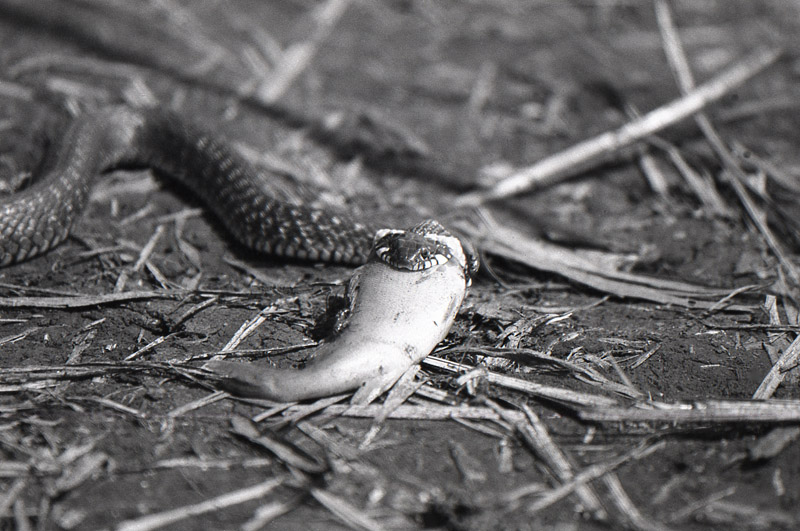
[{"x": 90, "y": 441}]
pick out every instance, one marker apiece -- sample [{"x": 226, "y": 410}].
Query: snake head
[
  {"x": 423, "y": 246},
  {"x": 402, "y": 249}
]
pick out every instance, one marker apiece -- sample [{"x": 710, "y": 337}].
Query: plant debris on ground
[{"x": 626, "y": 359}]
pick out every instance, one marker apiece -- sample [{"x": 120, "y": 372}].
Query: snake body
[{"x": 41, "y": 216}]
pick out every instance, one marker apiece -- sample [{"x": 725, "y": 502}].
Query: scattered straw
[
  {"x": 586, "y": 475},
  {"x": 535, "y": 434},
  {"x": 588, "y": 154},
  {"x": 297, "y": 57},
  {"x": 680, "y": 66},
  {"x": 776, "y": 373},
  {"x": 559, "y": 394},
  {"x": 197, "y": 404},
  {"x": 544, "y": 256},
  {"x": 79, "y": 300},
  {"x": 413, "y": 412},
  {"x": 286, "y": 453},
  {"x": 347, "y": 512},
  {"x": 699, "y": 411},
  {"x": 250, "y": 326},
  {"x": 236, "y": 497}
]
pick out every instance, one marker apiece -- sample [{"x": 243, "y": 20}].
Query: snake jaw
[
  {"x": 411, "y": 251},
  {"x": 422, "y": 247}
]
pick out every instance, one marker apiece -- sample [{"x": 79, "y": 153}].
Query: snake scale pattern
[{"x": 41, "y": 216}]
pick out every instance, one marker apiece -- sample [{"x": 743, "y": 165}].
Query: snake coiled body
[{"x": 40, "y": 217}]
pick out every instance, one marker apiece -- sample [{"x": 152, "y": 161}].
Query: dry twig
[
  {"x": 157, "y": 520},
  {"x": 544, "y": 256},
  {"x": 699, "y": 411},
  {"x": 558, "y": 394}
]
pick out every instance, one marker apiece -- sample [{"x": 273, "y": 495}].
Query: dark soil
[{"x": 482, "y": 84}]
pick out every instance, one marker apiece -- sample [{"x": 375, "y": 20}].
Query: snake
[
  {"x": 402, "y": 300},
  {"x": 41, "y": 216}
]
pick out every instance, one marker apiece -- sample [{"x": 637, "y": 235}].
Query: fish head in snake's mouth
[{"x": 422, "y": 247}]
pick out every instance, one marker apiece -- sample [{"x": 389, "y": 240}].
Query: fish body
[{"x": 396, "y": 318}]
